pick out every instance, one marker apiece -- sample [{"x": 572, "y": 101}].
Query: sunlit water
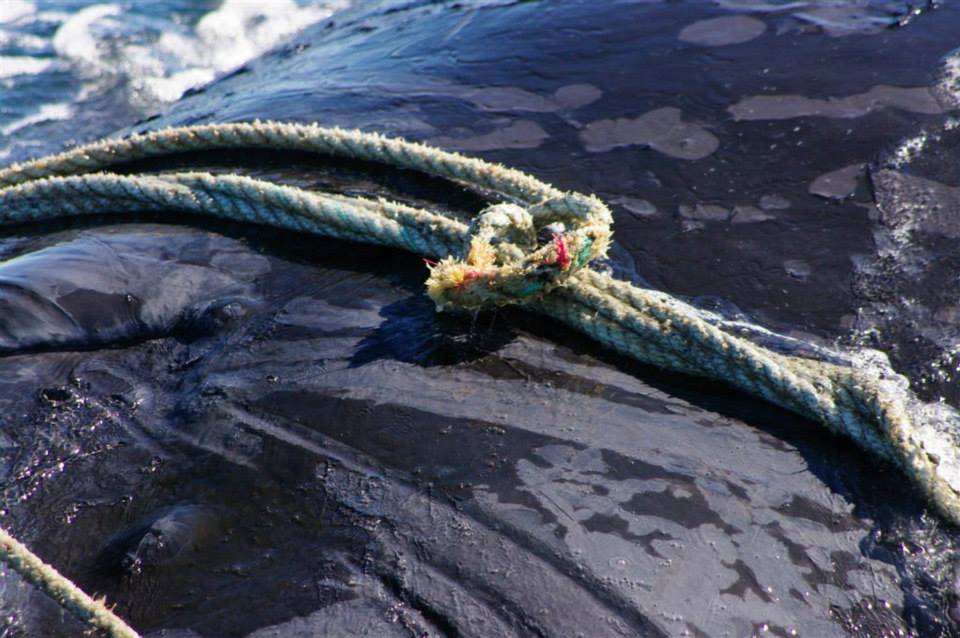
[{"x": 69, "y": 68}]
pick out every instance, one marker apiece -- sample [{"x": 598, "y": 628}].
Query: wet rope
[
  {"x": 91, "y": 611},
  {"x": 533, "y": 249}
]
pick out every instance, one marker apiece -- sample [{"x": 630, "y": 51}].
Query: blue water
[{"x": 75, "y": 69}]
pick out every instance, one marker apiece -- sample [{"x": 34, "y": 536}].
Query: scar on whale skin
[
  {"x": 716, "y": 32},
  {"x": 662, "y": 129},
  {"x": 782, "y": 107}
]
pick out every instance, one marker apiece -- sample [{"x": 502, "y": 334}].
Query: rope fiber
[{"x": 534, "y": 248}]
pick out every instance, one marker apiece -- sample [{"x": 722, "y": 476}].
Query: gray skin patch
[
  {"x": 638, "y": 207},
  {"x": 916, "y": 99},
  {"x": 838, "y": 184},
  {"x": 491, "y": 99},
  {"x": 750, "y": 215},
  {"x": 797, "y": 268},
  {"x": 519, "y": 134},
  {"x": 662, "y": 129},
  {"x": 509, "y": 98},
  {"x": 704, "y": 212},
  {"x": 774, "y": 202},
  {"x": 718, "y": 32}
]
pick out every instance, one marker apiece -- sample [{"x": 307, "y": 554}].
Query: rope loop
[{"x": 514, "y": 254}]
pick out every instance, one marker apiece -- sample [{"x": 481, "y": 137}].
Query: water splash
[{"x": 135, "y": 58}]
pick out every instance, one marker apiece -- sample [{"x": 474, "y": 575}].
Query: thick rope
[
  {"x": 532, "y": 249},
  {"x": 91, "y": 611}
]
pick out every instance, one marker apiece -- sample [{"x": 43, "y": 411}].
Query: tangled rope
[{"x": 534, "y": 248}]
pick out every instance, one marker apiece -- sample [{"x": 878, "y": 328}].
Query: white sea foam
[
  {"x": 24, "y": 42},
  {"x": 239, "y": 30},
  {"x": 46, "y": 113},
  {"x": 161, "y": 68},
  {"x": 76, "y": 40},
  {"x": 13, "y": 65},
  {"x": 909, "y": 149},
  {"x": 947, "y": 92},
  {"x": 223, "y": 40},
  {"x": 150, "y": 54},
  {"x": 13, "y": 10},
  {"x": 949, "y": 84}
]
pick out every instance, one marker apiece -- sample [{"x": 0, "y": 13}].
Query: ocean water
[{"x": 78, "y": 68}]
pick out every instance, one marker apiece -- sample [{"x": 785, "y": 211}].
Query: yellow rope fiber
[
  {"x": 91, "y": 611},
  {"x": 534, "y": 248}
]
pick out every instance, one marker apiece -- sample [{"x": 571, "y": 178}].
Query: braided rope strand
[{"x": 89, "y": 610}]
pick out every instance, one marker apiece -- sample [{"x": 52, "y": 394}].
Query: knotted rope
[
  {"x": 504, "y": 261},
  {"x": 534, "y": 249}
]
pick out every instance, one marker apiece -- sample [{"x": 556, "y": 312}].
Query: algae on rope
[{"x": 534, "y": 249}]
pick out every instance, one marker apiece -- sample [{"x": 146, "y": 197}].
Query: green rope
[{"x": 533, "y": 249}]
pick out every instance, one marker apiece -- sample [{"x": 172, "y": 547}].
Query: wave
[
  {"x": 13, "y": 10},
  {"x": 14, "y": 65},
  {"x": 148, "y": 55}
]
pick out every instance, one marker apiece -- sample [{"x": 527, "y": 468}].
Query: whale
[{"x": 328, "y": 455}]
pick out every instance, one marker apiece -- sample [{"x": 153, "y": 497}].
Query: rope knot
[{"x": 514, "y": 254}]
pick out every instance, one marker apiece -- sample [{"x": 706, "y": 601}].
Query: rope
[
  {"x": 534, "y": 248},
  {"x": 89, "y": 610}
]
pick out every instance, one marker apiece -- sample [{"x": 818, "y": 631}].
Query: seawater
[{"x": 72, "y": 69}]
